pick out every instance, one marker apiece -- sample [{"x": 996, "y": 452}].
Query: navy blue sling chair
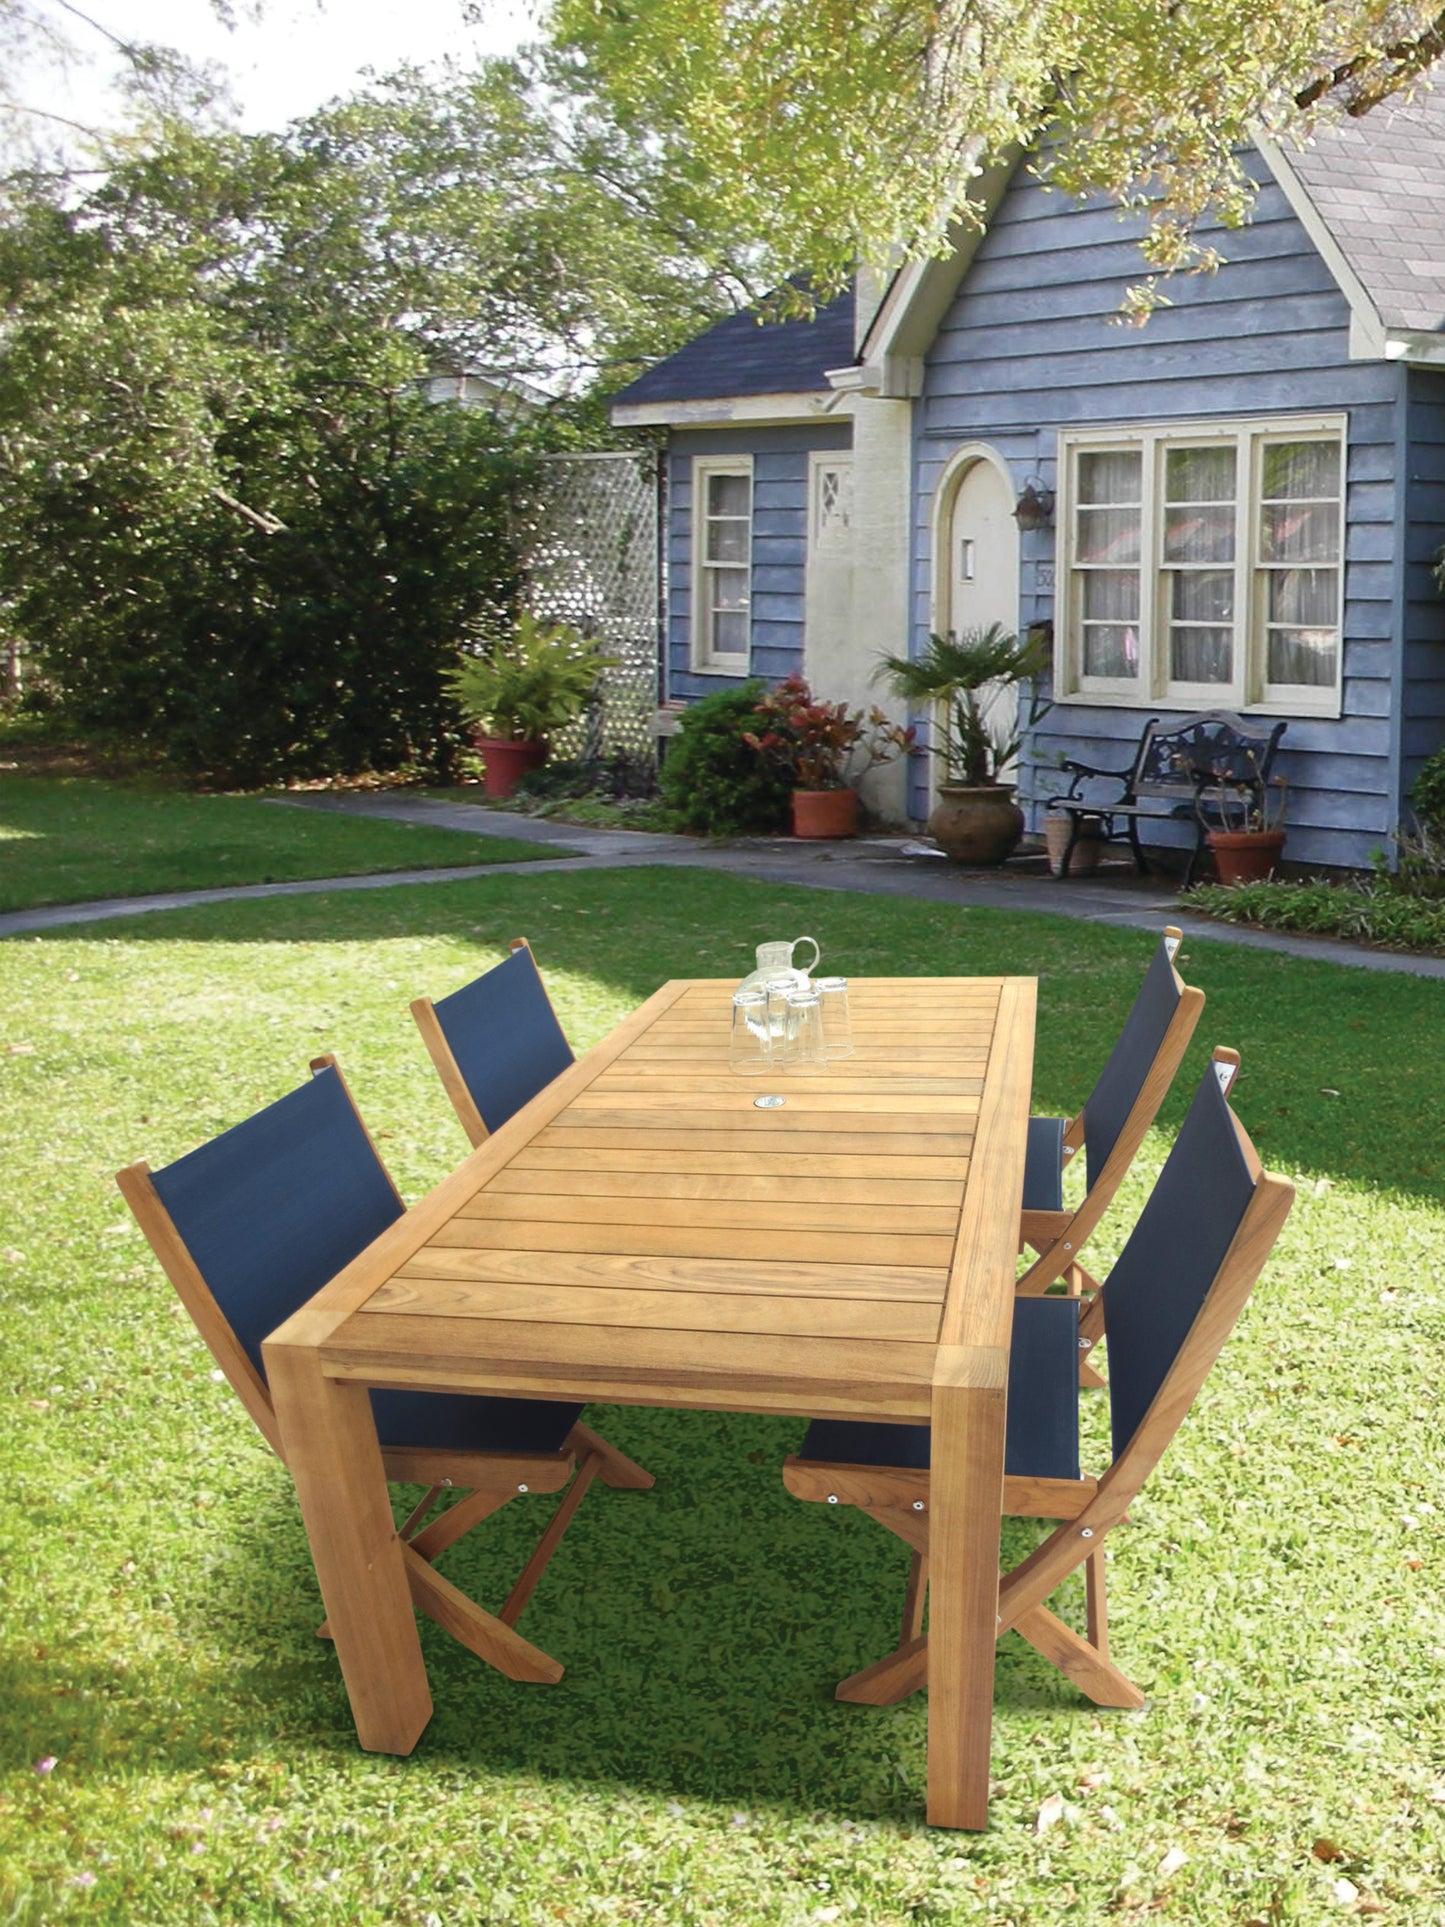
[
  {"x": 1109, "y": 1130},
  {"x": 1169, "y": 1304},
  {"x": 251, "y": 1226},
  {"x": 495, "y": 1042}
]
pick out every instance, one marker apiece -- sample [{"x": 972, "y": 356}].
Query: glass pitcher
[{"x": 777, "y": 969}]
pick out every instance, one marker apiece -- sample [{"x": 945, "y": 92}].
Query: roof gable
[
  {"x": 741, "y": 356},
  {"x": 1378, "y": 184}
]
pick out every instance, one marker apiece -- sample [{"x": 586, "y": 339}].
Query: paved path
[{"x": 875, "y": 866}]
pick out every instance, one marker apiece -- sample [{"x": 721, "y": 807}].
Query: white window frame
[
  {"x": 707, "y": 660},
  {"x": 830, "y": 537},
  {"x": 1249, "y": 688}
]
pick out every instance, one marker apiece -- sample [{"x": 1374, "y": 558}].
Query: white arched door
[{"x": 977, "y": 570}]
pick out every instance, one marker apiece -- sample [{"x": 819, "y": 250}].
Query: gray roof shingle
[
  {"x": 1379, "y": 185},
  {"x": 743, "y": 356}
]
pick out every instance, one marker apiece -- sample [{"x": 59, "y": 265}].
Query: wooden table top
[{"x": 642, "y": 1233}]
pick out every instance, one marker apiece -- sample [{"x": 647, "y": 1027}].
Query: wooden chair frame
[
  {"x": 482, "y": 1481},
  {"x": 1089, "y": 1508},
  {"x": 448, "y": 1069},
  {"x": 1059, "y": 1236}
]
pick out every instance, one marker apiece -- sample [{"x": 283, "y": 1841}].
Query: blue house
[{"x": 1236, "y": 506}]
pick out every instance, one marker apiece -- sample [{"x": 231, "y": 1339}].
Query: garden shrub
[
  {"x": 1427, "y": 793},
  {"x": 712, "y": 780},
  {"x": 1375, "y": 912}
]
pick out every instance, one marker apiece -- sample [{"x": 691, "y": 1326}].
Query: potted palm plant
[
  {"x": 823, "y": 749},
  {"x": 516, "y": 694},
  {"x": 960, "y": 677}
]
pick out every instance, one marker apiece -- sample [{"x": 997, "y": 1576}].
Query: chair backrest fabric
[
  {"x": 1122, "y": 1078},
  {"x": 272, "y": 1209},
  {"x": 1154, "y": 1293},
  {"x": 504, "y": 1035}
]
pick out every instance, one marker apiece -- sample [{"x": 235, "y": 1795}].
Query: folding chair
[
  {"x": 1110, "y": 1128},
  {"x": 250, "y": 1226},
  {"x": 1168, "y": 1305},
  {"x": 495, "y": 1042}
]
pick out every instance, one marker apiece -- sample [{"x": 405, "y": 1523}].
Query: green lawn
[
  {"x": 73, "y": 838},
  {"x": 1277, "y": 1593}
]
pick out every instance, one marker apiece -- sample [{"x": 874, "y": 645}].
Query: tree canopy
[
  {"x": 231, "y": 519},
  {"x": 840, "y": 130}
]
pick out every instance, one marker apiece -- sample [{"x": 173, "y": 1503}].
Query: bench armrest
[{"x": 1077, "y": 771}]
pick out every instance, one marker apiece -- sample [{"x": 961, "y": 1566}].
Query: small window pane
[
  {"x": 1110, "y": 649},
  {"x": 728, "y": 495},
  {"x": 727, "y": 541},
  {"x": 1111, "y": 595},
  {"x": 1307, "y": 532},
  {"x": 1203, "y": 595},
  {"x": 1198, "y": 534},
  {"x": 730, "y": 588},
  {"x": 1306, "y": 656},
  {"x": 730, "y": 635},
  {"x": 1201, "y": 655},
  {"x": 1116, "y": 476},
  {"x": 1302, "y": 596},
  {"x": 1199, "y": 475},
  {"x": 1108, "y": 535},
  {"x": 1299, "y": 471}
]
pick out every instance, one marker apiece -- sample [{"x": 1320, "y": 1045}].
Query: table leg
[
  {"x": 965, "y": 1514},
  {"x": 330, "y": 1444}
]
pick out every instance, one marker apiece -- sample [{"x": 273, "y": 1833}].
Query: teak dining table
[{"x": 642, "y": 1233}]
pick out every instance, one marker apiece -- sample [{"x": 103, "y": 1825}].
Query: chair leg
[
  {"x": 432, "y": 1541},
  {"x": 914, "y": 1599},
  {"x": 1077, "y": 1658},
  {"x": 1097, "y": 1603},
  {"x": 614, "y": 1468},
  {"x": 590, "y": 1467},
  {"x": 889, "y": 1680}
]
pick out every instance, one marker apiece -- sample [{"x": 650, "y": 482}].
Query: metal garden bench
[{"x": 1207, "y": 768}]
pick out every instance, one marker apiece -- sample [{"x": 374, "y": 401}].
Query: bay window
[{"x": 1202, "y": 566}]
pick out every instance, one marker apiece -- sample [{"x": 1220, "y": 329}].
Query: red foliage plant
[{"x": 823, "y": 746}]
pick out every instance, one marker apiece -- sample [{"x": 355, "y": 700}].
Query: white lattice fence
[{"x": 593, "y": 562}]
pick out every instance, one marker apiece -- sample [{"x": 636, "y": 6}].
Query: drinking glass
[
  {"x": 837, "y": 1026},
  {"x": 751, "y": 1048},
  {"x": 804, "y": 1051},
  {"x": 777, "y": 995}
]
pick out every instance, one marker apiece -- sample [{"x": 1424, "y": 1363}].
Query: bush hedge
[{"x": 1371, "y": 912}]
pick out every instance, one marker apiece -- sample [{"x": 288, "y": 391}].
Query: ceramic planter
[
  {"x": 505, "y": 761},
  {"x": 1085, "y": 860},
  {"x": 976, "y": 825},
  {"x": 825, "y": 813},
  {"x": 1245, "y": 856}
]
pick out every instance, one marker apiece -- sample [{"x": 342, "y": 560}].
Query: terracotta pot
[
  {"x": 506, "y": 760},
  {"x": 820, "y": 813},
  {"x": 1245, "y": 856},
  {"x": 981, "y": 825},
  {"x": 1084, "y": 861}
]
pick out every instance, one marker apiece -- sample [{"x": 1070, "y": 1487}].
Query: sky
[{"x": 298, "y": 55}]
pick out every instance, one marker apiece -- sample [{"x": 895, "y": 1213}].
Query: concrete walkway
[{"x": 875, "y": 866}]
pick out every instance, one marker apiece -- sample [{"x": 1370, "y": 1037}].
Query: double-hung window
[
  {"x": 1202, "y": 567},
  {"x": 722, "y": 546}
]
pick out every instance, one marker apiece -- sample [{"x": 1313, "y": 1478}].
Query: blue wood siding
[
  {"x": 1423, "y": 700},
  {"x": 1031, "y": 346},
  {"x": 780, "y": 544}
]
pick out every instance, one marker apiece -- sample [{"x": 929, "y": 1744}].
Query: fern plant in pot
[
  {"x": 962, "y": 679},
  {"x": 515, "y": 696}
]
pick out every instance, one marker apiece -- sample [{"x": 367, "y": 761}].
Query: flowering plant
[{"x": 822, "y": 746}]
